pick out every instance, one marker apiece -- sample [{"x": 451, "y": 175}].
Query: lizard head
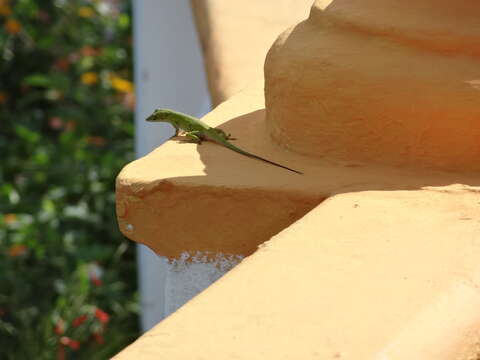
[{"x": 161, "y": 115}]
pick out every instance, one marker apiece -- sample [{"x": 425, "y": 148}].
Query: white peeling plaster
[{"x": 189, "y": 275}]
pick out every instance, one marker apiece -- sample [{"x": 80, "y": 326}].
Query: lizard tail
[
  {"x": 273, "y": 163},
  {"x": 253, "y": 156},
  {"x": 214, "y": 136}
]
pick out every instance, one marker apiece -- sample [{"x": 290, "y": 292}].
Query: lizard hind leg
[{"x": 224, "y": 135}]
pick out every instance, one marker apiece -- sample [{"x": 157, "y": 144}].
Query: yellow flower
[
  {"x": 17, "y": 250},
  {"x": 13, "y": 26},
  {"x": 121, "y": 85},
  {"x": 10, "y": 218},
  {"x": 85, "y": 12},
  {"x": 5, "y": 10},
  {"x": 3, "y": 97},
  {"x": 89, "y": 78}
]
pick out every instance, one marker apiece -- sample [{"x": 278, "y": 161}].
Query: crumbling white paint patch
[{"x": 189, "y": 275}]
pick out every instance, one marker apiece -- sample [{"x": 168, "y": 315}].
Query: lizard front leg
[{"x": 195, "y": 136}]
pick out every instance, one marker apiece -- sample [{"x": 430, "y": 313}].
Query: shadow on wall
[
  {"x": 323, "y": 175},
  {"x": 240, "y": 202}
]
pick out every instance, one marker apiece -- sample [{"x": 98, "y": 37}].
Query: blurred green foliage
[{"x": 67, "y": 276}]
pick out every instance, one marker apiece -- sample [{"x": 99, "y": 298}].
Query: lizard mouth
[{"x": 151, "y": 118}]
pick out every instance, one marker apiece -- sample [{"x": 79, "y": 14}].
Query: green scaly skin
[{"x": 198, "y": 131}]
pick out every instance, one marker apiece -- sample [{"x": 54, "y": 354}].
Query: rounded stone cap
[{"x": 380, "y": 81}]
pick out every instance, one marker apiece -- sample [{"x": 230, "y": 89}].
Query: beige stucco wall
[
  {"x": 376, "y": 254},
  {"x": 184, "y": 197},
  {"x": 236, "y": 35}
]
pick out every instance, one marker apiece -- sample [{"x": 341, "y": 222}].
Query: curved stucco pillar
[{"x": 380, "y": 81}]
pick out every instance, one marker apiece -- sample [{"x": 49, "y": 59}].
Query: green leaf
[
  {"x": 56, "y": 81},
  {"x": 26, "y": 134},
  {"x": 38, "y": 80},
  {"x": 124, "y": 21}
]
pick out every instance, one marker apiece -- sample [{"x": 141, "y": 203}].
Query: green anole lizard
[{"x": 198, "y": 131}]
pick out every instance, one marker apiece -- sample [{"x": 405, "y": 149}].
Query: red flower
[
  {"x": 98, "y": 338},
  {"x": 55, "y": 123},
  {"x": 102, "y": 316},
  {"x": 79, "y": 320},
  {"x": 17, "y": 250},
  {"x": 95, "y": 273},
  {"x": 59, "y": 327},
  {"x": 96, "y": 281},
  {"x": 96, "y": 140},
  {"x": 89, "y": 51},
  {"x": 71, "y": 125},
  {"x": 62, "y": 64},
  {"x": 72, "y": 344}
]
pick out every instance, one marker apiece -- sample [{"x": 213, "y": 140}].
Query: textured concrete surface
[{"x": 367, "y": 275}]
